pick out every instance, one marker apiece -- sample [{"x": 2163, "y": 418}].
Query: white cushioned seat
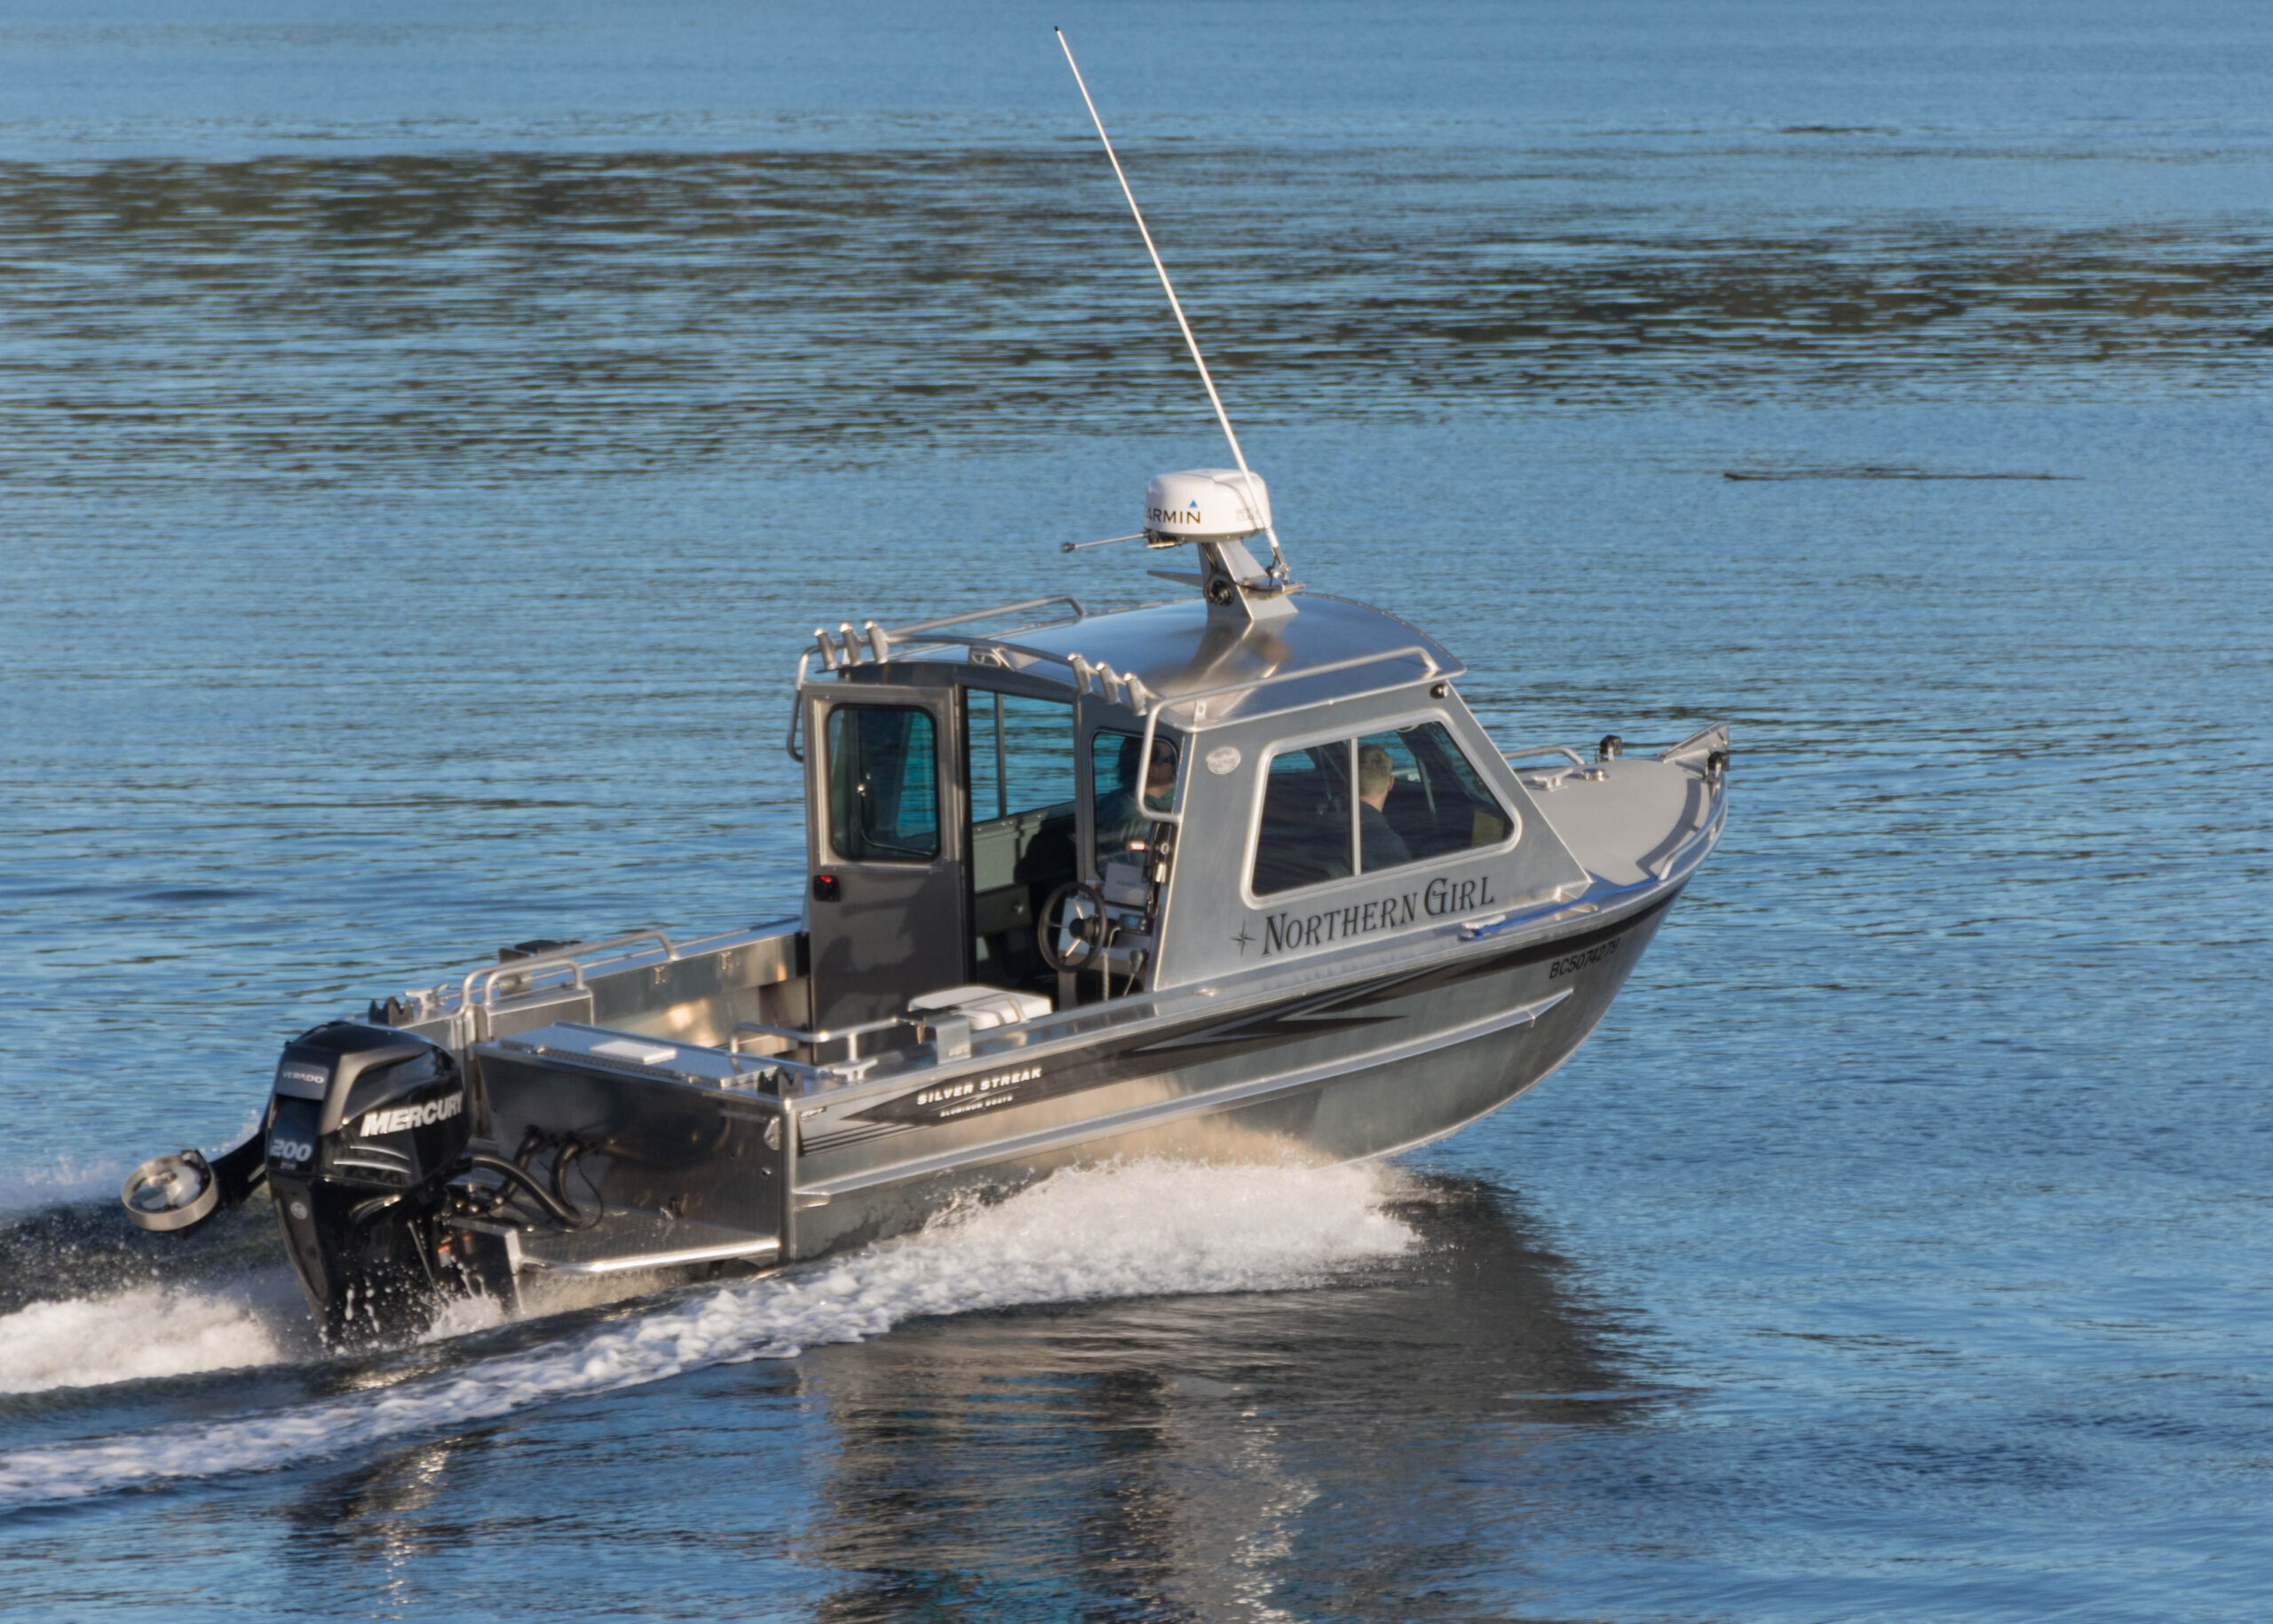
[{"x": 982, "y": 1006}]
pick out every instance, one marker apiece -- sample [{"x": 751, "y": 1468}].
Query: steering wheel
[{"x": 1070, "y": 929}]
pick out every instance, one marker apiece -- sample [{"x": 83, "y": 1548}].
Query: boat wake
[
  {"x": 87, "y": 1301},
  {"x": 151, "y": 1331},
  {"x": 1135, "y": 1229}
]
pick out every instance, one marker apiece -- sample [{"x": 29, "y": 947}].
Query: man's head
[
  {"x": 1374, "y": 776},
  {"x": 1160, "y": 783}
]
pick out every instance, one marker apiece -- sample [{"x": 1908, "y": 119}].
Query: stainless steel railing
[
  {"x": 810, "y": 1039},
  {"x": 571, "y": 958},
  {"x": 844, "y": 649}
]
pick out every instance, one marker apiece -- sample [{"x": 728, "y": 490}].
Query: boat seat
[{"x": 982, "y": 1006}]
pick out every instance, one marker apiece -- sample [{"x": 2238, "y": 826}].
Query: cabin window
[
  {"x": 884, "y": 784},
  {"x": 1305, "y": 833},
  {"x": 1018, "y": 756},
  {"x": 1402, "y": 795},
  {"x": 1021, "y": 755},
  {"x": 1419, "y": 798},
  {"x": 1122, "y": 821}
]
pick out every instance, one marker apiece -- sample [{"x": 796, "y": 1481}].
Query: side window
[
  {"x": 884, "y": 784},
  {"x": 1018, "y": 756},
  {"x": 1121, "y": 820},
  {"x": 1305, "y": 833},
  {"x": 1419, "y": 798},
  {"x": 1021, "y": 753}
]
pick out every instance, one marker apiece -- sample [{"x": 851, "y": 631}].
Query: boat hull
[
  {"x": 1321, "y": 1065},
  {"x": 1346, "y": 1071}
]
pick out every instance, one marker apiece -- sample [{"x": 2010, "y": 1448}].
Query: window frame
[{"x": 1348, "y": 733}]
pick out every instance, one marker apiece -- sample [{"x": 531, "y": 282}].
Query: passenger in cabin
[
  {"x": 1121, "y": 821},
  {"x": 1379, "y": 845}
]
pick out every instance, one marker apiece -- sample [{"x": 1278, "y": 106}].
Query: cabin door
[{"x": 886, "y": 917}]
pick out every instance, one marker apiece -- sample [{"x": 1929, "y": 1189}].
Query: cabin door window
[
  {"x": 886, "y": 919},
  {"x": 884, "y": 784}
]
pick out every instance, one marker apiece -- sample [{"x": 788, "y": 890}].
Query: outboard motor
[{"x": 366, "y": 1128}]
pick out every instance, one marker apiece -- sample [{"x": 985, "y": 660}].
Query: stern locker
[{"x": 651, "y": 1144}]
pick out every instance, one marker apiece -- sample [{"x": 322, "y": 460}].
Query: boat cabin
[
  {"x": 1165, "y": 795},
  {"x": 1030, "y": 810}
]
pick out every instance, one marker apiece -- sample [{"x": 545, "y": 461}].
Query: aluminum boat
[{"x": 1235, "y": 877}]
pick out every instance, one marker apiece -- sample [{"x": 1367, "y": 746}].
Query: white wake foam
[
  {"x": 1139, "y": 1229},
  {"x": 145, "y": 1332}
]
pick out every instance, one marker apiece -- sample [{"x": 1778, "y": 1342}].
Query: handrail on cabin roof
[{"x": 1127, "y": 691}]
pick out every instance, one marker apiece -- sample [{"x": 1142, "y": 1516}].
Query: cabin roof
[
  {"x": 1330, "y": 648},
  {"x": 1177, "y": 648}
]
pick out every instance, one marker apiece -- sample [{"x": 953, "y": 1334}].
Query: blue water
[{"x": 425, "y": 438}]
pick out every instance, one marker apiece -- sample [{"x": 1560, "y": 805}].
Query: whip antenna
[{"x": 1278, "y": 562}]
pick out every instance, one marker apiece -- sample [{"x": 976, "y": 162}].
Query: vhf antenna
[{"x": 1278, "y": 560}]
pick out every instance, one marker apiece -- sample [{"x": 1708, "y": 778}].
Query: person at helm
[{"x": 1121, "y": 821}]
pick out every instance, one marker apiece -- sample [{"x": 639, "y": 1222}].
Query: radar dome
[{"x": 1204, "y": 504}]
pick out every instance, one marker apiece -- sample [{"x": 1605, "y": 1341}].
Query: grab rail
[
  {"x": 812, "y": 1038},
  {"x": 1126, "y": 689},
  {"x": 572, "y": 956},
  {"x": 844, "y": 649},
  {"x": 1020, "y": 607},
  {"x": 1513, "y": 756},
  {"x": 797, "y": 706}
]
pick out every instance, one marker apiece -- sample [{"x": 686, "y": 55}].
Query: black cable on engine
[
  {"x": 559, "y": 1211},
  {"x": 567, "y": 1153}
]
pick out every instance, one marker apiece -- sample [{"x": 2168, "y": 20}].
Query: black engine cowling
[{"x": 366, "y": 1128}]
